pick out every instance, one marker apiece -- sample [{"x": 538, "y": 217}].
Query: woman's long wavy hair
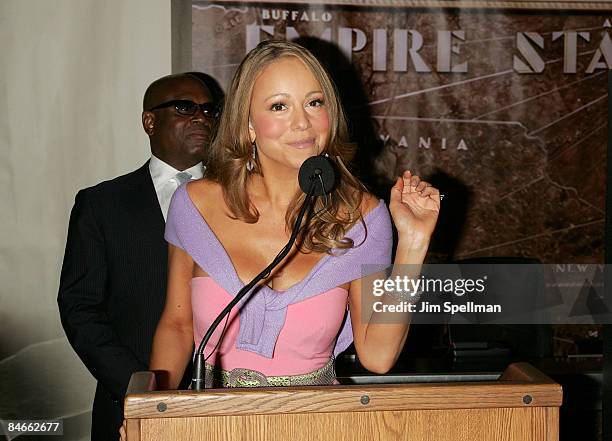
[{"x": 232, "y": 149}]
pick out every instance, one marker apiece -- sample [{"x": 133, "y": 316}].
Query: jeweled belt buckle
[{"x": 240, "y": 377}]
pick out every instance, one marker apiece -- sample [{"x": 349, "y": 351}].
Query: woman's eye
[
  {"x": 276, "y": 107},
  {"x": 316, "y": 103}
]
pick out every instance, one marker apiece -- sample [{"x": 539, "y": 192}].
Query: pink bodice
[{"x": 305, "y": 343}]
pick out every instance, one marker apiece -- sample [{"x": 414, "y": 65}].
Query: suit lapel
[{"x": 144, "y": 201}]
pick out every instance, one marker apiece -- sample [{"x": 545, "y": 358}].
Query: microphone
[
  {"x": 317, "y": 168},
  {"x": 316, "y": 178}
]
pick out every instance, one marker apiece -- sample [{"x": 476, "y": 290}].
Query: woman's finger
[
  {"x": 396, "y": 191},
  {"x": 422, "y": 186},
  {"x": 123, "y": 432},
  {"x": 430, "y": 191}
]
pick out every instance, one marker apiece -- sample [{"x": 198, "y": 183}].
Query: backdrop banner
[{"x": 504, "y": 110}]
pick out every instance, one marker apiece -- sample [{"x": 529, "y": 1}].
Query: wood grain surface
[
  {"x": 520, "y": 385},
  {"x": 523, "y": 405},
  {"x": 431, "y": 425}
]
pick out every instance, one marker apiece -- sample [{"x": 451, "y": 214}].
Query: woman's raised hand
[{"x": 414, "y": 206}]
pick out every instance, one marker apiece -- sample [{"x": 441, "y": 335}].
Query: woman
[{"x": 281, "y": 109}]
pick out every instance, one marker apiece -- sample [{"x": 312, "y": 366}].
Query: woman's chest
[{"x": 252, "y": 247}]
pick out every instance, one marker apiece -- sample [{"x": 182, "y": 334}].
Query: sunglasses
[{"x": 189, "y": 108}]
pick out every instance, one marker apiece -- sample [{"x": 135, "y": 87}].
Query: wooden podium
[{"x": 522, "y": 405}]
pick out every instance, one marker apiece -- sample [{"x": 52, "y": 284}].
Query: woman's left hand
[
  {"x": 123, "y": 431},
  {"x": 414, "y": 206}
]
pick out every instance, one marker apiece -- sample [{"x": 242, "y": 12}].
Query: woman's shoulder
[
  {"x": 375, "y": 215},
  {"x": 208, "y": 197},
  {"x": 204, "y": 192},
  {"x": 369, "y": 203},
  {"x": 372, "y": 235}
]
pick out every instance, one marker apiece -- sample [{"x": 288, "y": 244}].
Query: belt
[{"x": 240, "y": 377}]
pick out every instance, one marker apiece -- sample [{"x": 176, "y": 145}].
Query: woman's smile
[{"x": 303, "y": 143}]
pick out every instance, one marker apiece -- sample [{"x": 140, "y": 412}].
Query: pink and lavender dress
[{"x": 292, "y": 332}]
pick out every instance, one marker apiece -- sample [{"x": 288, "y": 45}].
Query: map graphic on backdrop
[{"x": 505, "y": 111}]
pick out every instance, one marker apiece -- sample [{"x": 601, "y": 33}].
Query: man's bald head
[
  {"x": 176, "y": 138},
  {"x": 159, "y": 89}
]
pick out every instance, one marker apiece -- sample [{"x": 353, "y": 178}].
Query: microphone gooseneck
[{"x": 315, "y": 170}]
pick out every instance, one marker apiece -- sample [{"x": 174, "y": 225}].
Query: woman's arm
[
  {"x": 380, "y": 336},
  {"x": 173, "y": 341}
]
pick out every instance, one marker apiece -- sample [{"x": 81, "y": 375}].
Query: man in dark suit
[{"x": 113, "y": 280}]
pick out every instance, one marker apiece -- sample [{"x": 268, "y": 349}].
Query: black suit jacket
[{"x": 113, "y": 285}]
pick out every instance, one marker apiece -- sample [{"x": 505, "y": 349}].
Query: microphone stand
[{"x": 199, "y": 371}]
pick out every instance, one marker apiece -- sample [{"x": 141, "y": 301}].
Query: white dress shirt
[{"x": 165, "y": 181}]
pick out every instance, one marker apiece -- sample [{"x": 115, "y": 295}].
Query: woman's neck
[{"x": 273, "y": 191}]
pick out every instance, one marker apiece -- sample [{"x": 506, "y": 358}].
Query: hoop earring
[{"x": 250, "y": 165}]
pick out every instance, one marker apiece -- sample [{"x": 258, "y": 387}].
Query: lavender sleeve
[
  {"x": 176, "y": 216},
  {"x": 372, "y": 255}
]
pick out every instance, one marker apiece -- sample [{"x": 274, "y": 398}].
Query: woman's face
[{"x": 288, "y": 115}]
